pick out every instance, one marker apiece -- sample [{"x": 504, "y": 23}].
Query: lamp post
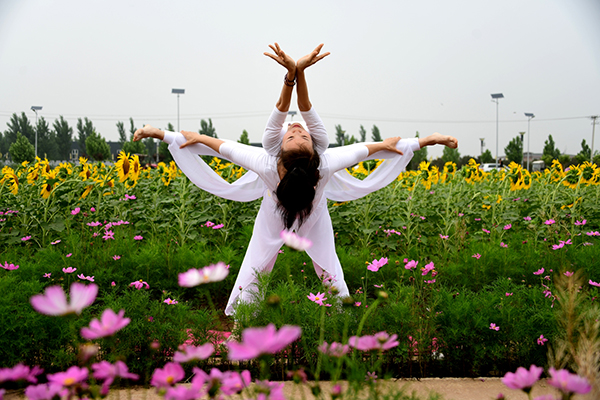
[
  {"x": 178, "y": 92},
  {"x": 482, "y": 140},
  {"x": 522, "y": 148},
  {"x": 35, "y": 109},
  {"x": 593, "y": 117},
  {"x": 529, "y": 116},
  {"x": 495, "y": 98}
]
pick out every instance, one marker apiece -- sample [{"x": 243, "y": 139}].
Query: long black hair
[{"x": 296, "y": 191}]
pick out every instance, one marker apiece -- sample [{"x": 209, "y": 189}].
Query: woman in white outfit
[{"x": 295, "y": 174}]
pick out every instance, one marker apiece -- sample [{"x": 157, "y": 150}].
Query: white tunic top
[{"x": 261, "y": 181}]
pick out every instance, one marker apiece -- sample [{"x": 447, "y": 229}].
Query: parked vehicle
[{"x": 490, "y": 166}]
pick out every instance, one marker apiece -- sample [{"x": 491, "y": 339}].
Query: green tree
[
  {"x": 514, "y": 150},
  {"x": 340, "y": 136},
  {"x": 363, "y": 134},
  {"x": 21, "y": 150},
  {"x": 207, "y": 128},
  {"x": 244, "y": 139},
  {"x": 85, "y": 129},
  {"x": 486, "y": 157},
  {"x": 550, "y": 151},
  {"x": 132, "y": 147},
  {"x": 585, "y": 154},
  {"x": 149, "y": 149},
  {"x": 450, "y": 155},
  {"x": 122, "y": 134},
  {"x": 418, "y": 157},
  {"x": 132, "y": 129},
  {"x": 19, "y": 124},
  {"x": 64, "y": 138},
  {"x": 47, "y": 146},
  {"x": 96, "y": 147},
  {"x": 375, "y": 135},
  {"x": 3, "y": 146}
]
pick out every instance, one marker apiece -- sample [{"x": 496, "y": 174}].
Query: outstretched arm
[
  {"x": 303, "y": 63},
  {"x": 437, "y": 138},
  {"x": 285, "y": 98}
]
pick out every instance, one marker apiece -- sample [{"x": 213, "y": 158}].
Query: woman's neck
[{"x": 281, "y": 170}]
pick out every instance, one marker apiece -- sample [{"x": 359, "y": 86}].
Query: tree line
[{"x": 55, "y": 143}]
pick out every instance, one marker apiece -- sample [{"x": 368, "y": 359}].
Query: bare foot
[
  {"x": 446, "y": 140},
  {"x": 148, "y": 131}
]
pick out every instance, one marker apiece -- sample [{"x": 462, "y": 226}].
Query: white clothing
[{"x": 261, "y": 181}]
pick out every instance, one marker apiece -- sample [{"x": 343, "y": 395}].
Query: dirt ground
[{"x": 448, "y": 388}]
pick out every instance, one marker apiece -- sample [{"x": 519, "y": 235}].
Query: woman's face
[{"x": 296, "y": 137}]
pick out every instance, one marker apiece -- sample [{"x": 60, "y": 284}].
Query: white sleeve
[
  {"x": 350, "y": 155},
  {"x": 250, "y": 157},
  {"x": 273, "y": 136},
  {"x": 316, "y": 128}
]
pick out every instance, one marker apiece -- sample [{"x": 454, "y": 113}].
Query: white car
[{"x": 489, "y": 167}]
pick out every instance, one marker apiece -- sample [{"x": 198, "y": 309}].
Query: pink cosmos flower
[
  {"x": 357, "y": 304},
  {"x": 549, "y": 222},
  {"x": 430, "y": 282},
  {"x": 107, "y": 372},
  {"x": 45, "y": 391},
  {"x": 444, "y": 237},
  {"x": 476, "y": 255},
  {"x": 108, "y": 325},
  {"x": 168, "y": 300},
  {"x": 523, "y": 379},
  {"x": 508, "y": 294},
  {"x": 539, "y": 271},
  {"x": 507, "y": 227},
  {"x": 568, "y": 273},
  {"x": 69, "y": 270},
  {"x": 108, "y": 235},
  {"x": 138, "y": 237},
  {"x": 318, "y": 298},
  {"x": 485, "y": 230},
  {"x": 209, "y": 224},
  {"x": 560, "y": 245},
  {"x": 411, "y": 264},
  {"x": 269, "y": 390},
  {"x": 139, "y": 284},
  {"x": 568, "y": 382},
  {"x": 380, "y": 341},
  {"x": 54, "y": 300},
  {"x": 334, "y": 349},
  {"x": 494, "y": 327},
  {"x": 55, "y": 242},
  {"x": 212, "y": 273},
  {"x": 291, "y": 239},
  {"x": 47, "y": 275},
  {"x": 86, "y": 278},
  {"x": 594, "y": 283},
  {"x": 128, "y": 197},
  {"x": 20, "y": 372},
  {"x": 188, "y": 353},
  {"x": 25, "y": 238},
  {"x": 371, "y": 377},
  {"x": 71, "y": 377},
  {"x": 593, "y": 233},
  {"x": 9, "y": 267},
  {"x": 267, "y": 340},
  {"x": 376, "y": 264},
  {"x": 75, "y": 211},
  {"x": 94, "y": 224},
  {"x": 69, "y": 255},
  {"x": 218, "y": 226},
  {"x": 541, "y": 340},
  {"x": 116, "y": 257},
  {"x": 580, "y": 223},
  {"x": 92, "y": 209},
  {"x": 167, "y": 376},
  {"x": 234, "y": 382},
  {"x": 113, "y": 283},
  {"x": 503, "y": 245},
  {"x": 527, "y": 218},
  {"x": 378, "y": 286},
  {"x": 428, "y": 267}
]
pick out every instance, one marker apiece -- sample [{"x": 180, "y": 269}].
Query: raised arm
[
  {"x": 285, "y": 98},
  {"x": 303, "y": 63}
]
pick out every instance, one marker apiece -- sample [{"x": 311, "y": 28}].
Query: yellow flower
[
  {"x": 572, "y": 177},
  {"x": 486, "y": 206},
  {"x": 123, "y": 166},
  {"x": 87, "y": 191},
  {"x": 12, "y": 178},
  {"x": 499, "y": 199},
  {"x": 49, "y": 183}
]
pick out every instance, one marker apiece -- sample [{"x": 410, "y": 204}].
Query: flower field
[{"x": 452, "y": 273}]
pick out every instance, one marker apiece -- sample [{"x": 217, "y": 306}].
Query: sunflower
[
  {"x": 123, "y": 166},
  {"x": 525, "y": 179},
  {"x": 572, "y": 177},
  {"x": 588, "y": 172},
  {"x": 49, "y": 183},
  {"x": 8, "y": 175},
  {"x": 87, "y": 191}
]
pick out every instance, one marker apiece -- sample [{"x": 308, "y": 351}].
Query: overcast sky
[{"x": 404, "y": 66}]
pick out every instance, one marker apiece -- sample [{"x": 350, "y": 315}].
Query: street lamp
[
  {"x": 178, "y": 92},
  {"x": 35, "y": 109},
  {"x": 529, "y": 116},
  {"x": 522, "y": 148},
  {"x": 495, "y": 98},
  {"x": 593, "y": 117}
]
